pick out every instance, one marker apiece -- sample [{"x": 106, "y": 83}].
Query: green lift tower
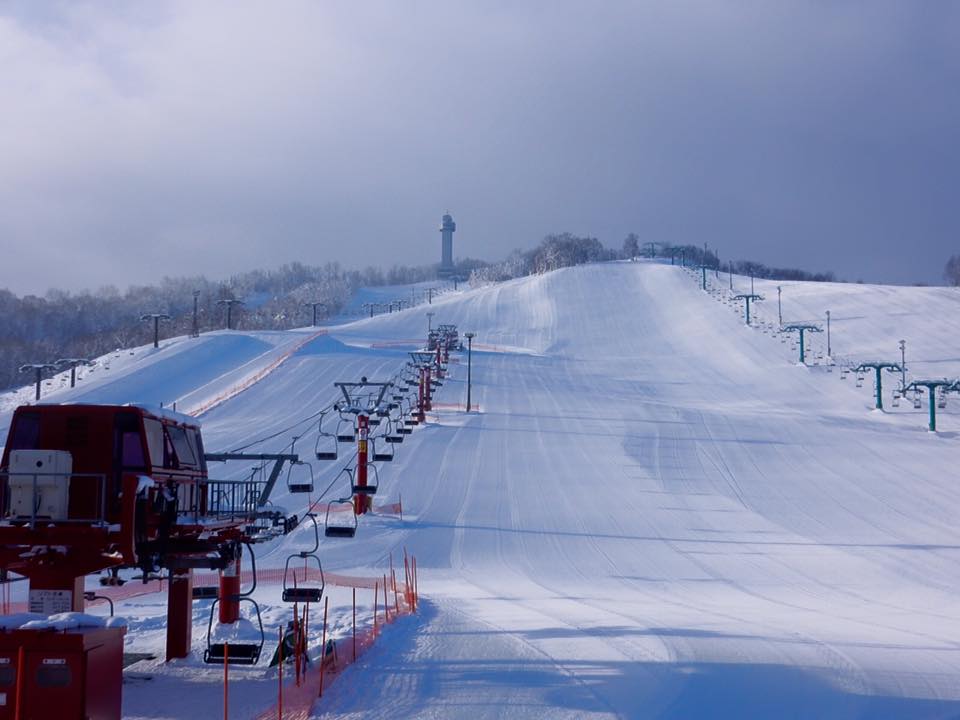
[{"x": 877, "y": 367}]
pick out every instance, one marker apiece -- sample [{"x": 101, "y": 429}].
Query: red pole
[
  {"x": 396, "y": 601},
  {"x": 306, "y": 635},
  {"x": 21, "y": 674},
  {"x": 386, "y": 602},
  {"x": 363, "y": 424},
  {"x": 226, "y": 681},
  {"x": 354, "y": 624},
  {"x": 280, "y": 677},
  {"x": 296, "y": 645},
  {"x": 179, "y": 613},
  {"x": 429, "y": 403},
  {"x": 323, "y": 648},
  {"x": 376, "y": 592},
  {"x": 408, "y": 586},
  {"x": 230, "y": 593},
  {"x": 422, "y": 395}
]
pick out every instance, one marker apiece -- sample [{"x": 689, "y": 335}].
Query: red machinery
[
  {"x": 87, "y": 488},
  {"x": 70, "y": 675}
]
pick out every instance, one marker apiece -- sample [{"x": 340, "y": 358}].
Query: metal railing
[
  {"x": 223, "y": 499},
  {"x": 78, "y": 498}
]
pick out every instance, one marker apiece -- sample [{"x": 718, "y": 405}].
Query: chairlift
[
  {"x": 306, "y": 592},
  {"x": 327, "y": 445},
  {"x": 371, "y": 487},
  {"x": 896, "y": 398},
  {"x": 236, "y": 653},
  {"x": 916, "y": 400},
  {"x": 393, "y": 434},
  {"x": 303, "y": 486},
  {"x": 346, "y": 423},
  {"x": 341, "y": 529},
  {"x": 382, "y": 455},
  {"x": 941, "y": 399}
]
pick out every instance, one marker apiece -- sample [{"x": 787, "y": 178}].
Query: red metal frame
[{"x": 173, "y": 520}]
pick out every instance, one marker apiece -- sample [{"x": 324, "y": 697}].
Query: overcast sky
[{"x": 169, "y": 138}]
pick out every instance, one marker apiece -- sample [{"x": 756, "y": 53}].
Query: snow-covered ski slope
[{"x": 656, "y": 512}]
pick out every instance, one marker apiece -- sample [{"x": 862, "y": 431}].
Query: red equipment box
[{"x": 67, "y": 675}]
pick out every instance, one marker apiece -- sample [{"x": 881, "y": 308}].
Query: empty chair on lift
[
  {"x": 382, "y": 455},
  {"x": 896, "y": 398},
  {"x": 340, "y": 529},
  {"x": 236, "y": 653},
  {"x": 326, "y": 447},
  {"x": 373, "y": 482},
  {"x": 346, "y": 431},
  {"x": 304, "y": 485},
  {"x": 393, "y": 434},
  {"x": 916, "y": 399},
  {"x": 306, "y": 591}
]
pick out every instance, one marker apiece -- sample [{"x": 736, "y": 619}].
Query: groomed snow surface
[{"x": 656, "y": 513}]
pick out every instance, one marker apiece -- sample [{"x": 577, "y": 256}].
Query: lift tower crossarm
[
  {"x": 38, "y": 369},
  {"x": 72, "y": 363},
  {"x": 748, "y": 298},
  {"x": 802, "y": 328},
  {"x": 352, "y": 397},
  {"x": 931, "y": 388},
  {"x": 877, "y": 367},
  {"x": 278, "y": 460}
]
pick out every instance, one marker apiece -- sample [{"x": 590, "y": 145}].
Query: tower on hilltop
[{"x": 447, "y": 228}]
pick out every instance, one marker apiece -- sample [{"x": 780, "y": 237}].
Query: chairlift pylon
[{"x": 309, "y": 592}]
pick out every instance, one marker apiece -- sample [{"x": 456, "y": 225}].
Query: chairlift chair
[
  {"x": 382, "y": 455},
  {"x": 916, "y": 400},
  {"x": 393, "y": 434},
  {"x": 941, "y": 399},
  {"x": 343, "y": 529},
  {"x": 293, "y": 592},
  {"x": 896, "y": 398},
  {"x": 234, "y": 653},
  {"x": 346, "y": 422},
  {"x": 373, "y": 483},
  {"x": 327, "y": 445},
  {"x": 231, "y": 652},
  {"x": 303, "y": 486}
]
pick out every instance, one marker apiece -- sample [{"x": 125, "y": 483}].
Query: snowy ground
[{"x": 657, "y": 512}]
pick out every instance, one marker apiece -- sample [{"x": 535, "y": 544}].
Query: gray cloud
[{"x": 172, "y": 138}]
